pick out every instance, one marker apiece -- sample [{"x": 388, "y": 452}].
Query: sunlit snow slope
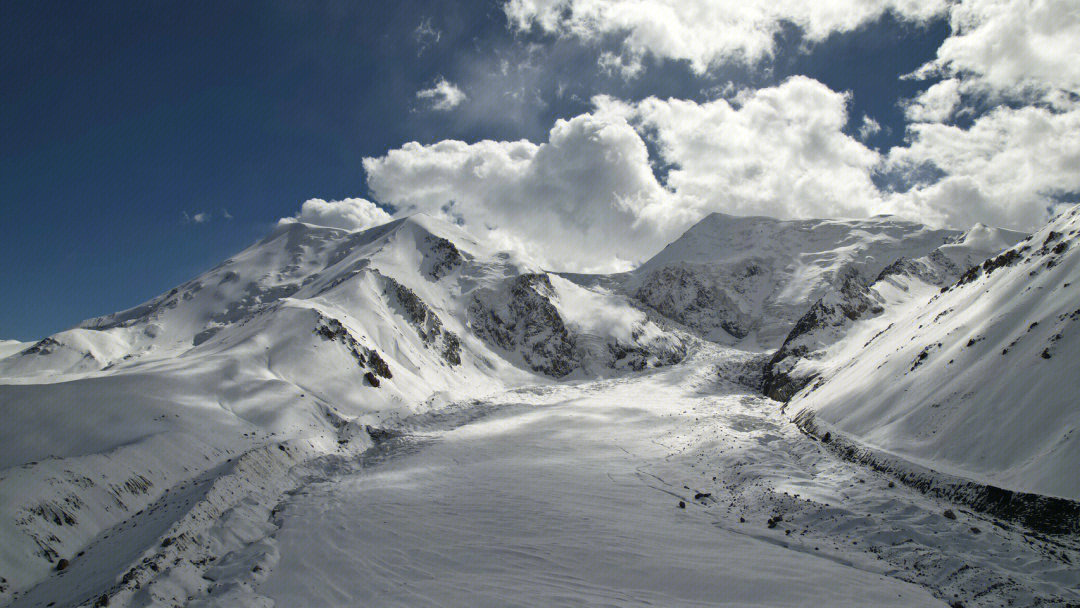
[
  {"x": 977, "y": 380},
  {"x": 306, "y": 336},
  {"x": 734, "y": 277}
]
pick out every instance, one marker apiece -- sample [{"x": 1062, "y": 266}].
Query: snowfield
[
  {"x": 404, "y": 416},
  {"x": 977, "y": 379}
]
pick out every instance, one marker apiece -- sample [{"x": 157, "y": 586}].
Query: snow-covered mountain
[
  {"x": 306, "y": 336},
  {"x": 903, "y": 283},
  {"x": 312, "y": 341},
  {"x": 974, "y": 379},
  {"x": 734, "y": 277}
]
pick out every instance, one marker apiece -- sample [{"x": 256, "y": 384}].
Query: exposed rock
[
  {"x": 524, "y": 320},
  {"x": 443, "y": 259},
  {"x": 333, "y": 330},
  {"x": 42, "y": 347},
  {"x": 681, "y": 294},
  {"x": 638, "y": 355},
  {"x": 850, "y": 301},
  {"x": 428, "y": 325}
]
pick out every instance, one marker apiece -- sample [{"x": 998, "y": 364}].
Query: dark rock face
[
  {"x": 205, "y": 335},
  {"x": 527, "y": 322},
  {"x": 42, "y": 347},
  {"x": 637, "y": 357},
  {"x": 1008, "y": 258},
  {"x": 521, "y": 317},
  {"x": 427, "y": 324},
  {"x": 367, "y": 358},
  {"x": 680, "y": 294},
  {"x": 371, "y": 379},
  {"x": 444, "y": 257},
  {"x": 851, "y": 301}
]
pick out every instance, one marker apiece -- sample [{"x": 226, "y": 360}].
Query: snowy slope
[
  {"x": 10, "y": 347},
  {"x": 160, "y": 435},
  {"x": 977, "y": 380},
  {"x": 902, "y": 284},
  {"x": 305, "y": 337},
  {"x": 733, "y": 276}
]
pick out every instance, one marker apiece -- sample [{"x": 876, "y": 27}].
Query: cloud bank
[
  {"x": 588, "y": 197},
  {"x": 611, "y": 186},
  {"x": 705, "y": 33}
]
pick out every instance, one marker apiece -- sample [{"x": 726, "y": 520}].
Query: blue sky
[{"x": 123, "y": 121}]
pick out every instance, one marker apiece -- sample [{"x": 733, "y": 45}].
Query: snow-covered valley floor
[{"x": 569, "y": 495}]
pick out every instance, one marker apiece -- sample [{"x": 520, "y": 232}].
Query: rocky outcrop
[
  {"x": 851, "y": 300},
  {"x": 427, "y": 324},
  {"x": 367, "y": 358},
  {"x": 523, "y": 320},
  {"x": 442, "y": 257},
  {"x": 681, "y": 294},
  {"x": 640, "y": 354},
  {"x": 1048, "y": 514}
]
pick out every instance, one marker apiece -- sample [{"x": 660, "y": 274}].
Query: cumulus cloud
[
  {"x": 349, "y": 214},
  {"x": 572, "y": 202},
  {"x": 778, "y": 151},
  {"x": 868, "y": 128},
  {"x": 590, "y": 197},
  {"x": 708, "y": 32},
  {"x": 1008, "y": 168},
  {"x": 1014, "y": 162},
  {"x": 1012, "y": 47},
  {"x": 443, "y": 95},
  {"x": 935, "y": 104},
  {"x": 587, "y": 199}
]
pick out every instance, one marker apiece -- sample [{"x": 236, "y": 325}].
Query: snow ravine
[{"x": 568, "y": 495}]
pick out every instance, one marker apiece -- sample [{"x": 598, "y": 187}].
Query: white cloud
[
  {"x": 868, "y": 128},
  {"x": 1012, "y": 164},
  {"x": 426, "y": 35},
  {"x": 587, "y": 199},
  {"x": 443, "y": 95},
  {"x": 572, "y": 202},
  {"x": 777, "y": 151},
  {"x": 349, "y": 214},
  {"x": 626, "y": 66},
  {"x": 935, "y": 104},
  {"x": 707, "y": 32},
  {"x": 1006, "y": 169},
  {"x": 1012, "y": 47}
]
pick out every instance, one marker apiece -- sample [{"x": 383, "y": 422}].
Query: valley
[{"x": 405, "y": 416}]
